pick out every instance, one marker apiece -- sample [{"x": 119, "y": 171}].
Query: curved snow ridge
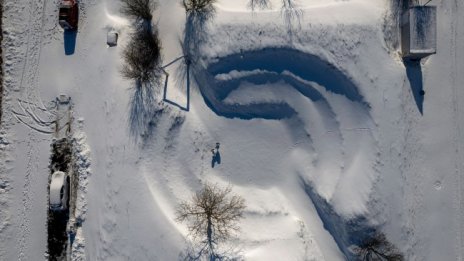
[
  {"x": 284, "y": 83},
  {"x": 290, "y": 235},
  {"x": 267, "y": 65},
  {"x": 306, "y": 66}
]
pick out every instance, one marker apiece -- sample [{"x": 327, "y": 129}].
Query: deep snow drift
[{"x": 313, "y": 108}]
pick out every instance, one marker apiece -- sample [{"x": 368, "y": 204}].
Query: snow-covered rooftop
[{"x": 419, "y": 31}]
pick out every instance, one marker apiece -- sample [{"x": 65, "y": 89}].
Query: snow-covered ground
[{"x": 313, "y": 109}]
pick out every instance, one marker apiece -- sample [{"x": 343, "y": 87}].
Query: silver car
[{"x": 59, "y": 191}]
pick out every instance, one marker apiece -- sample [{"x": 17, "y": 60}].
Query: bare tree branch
[
  {"x": 138, "y": 9},
  {"x": 211, "y": 216}
]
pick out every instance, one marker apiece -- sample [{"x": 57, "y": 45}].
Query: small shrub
[
  {"x": 142, "y": 57},
  {"x": 138, "y": 9}
]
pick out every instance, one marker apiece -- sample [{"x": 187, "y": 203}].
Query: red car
[{"x": 68, "y": 16}]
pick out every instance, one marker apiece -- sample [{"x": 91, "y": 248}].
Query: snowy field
[{"x": 315, "y": 112}]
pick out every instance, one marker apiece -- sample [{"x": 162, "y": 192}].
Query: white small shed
[
  {"x": 112, "y": 38},
  {"x": 419, "y": 32}
]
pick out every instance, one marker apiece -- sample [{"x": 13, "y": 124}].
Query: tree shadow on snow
[
  {"x": 292, "y": 15},
  {"x": 258, "y": 4},
  {"x": 194, "y": 35},
  {"x": 69, "y": 41},
  {"x": 354, "y": 236},
  {"x": 195, "y": 32},
  {"x": 143, "y": 111},
  {"x": 344, "y": 232},
  {"x": 414, "y": 74},
  {"x": 197, "y": 251}
]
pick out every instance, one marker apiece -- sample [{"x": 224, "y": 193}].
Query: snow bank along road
[{"x": 326, "y": 103}]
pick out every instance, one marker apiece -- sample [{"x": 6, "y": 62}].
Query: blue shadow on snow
[
  {"x": 69, "y": 41},
  {"x": 414, "y": 74},
  {"x": 298, "y": 69},
  {"x": 345, "y": 232}
]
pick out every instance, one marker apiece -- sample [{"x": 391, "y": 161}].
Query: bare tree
[
  {"x": 142, "y": 57},
  {"x": 378, "y": 248},
  {"x": 138, "y": 9},
  {"x": 212, "y": 216},
  {"x": 198, "y": 6},
  {"x": 142, "y": 64}
]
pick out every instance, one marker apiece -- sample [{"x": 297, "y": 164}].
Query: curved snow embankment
[
  {"x": 285, "y": 84},
  {"x": 269, "y": 65}
]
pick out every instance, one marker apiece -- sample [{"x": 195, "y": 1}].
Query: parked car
[
  {"x": 59, "y": 191},
  {"x": 68, "y": 14}
]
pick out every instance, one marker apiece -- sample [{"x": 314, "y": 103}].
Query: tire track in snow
[
  {"x": 111, "y": 208},
  {"x": 34, "y": 45},
  {"x": 413, "y": 190},
  {"x": 27, "y": 196},
  {"x": 28, "y": 88},
  {"x": 109, "y": 222}
]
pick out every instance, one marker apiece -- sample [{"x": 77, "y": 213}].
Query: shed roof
[{"x": 423, "y": 29}]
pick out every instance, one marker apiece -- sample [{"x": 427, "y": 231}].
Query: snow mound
[
  {"x": 83, "y": 171},
  {"x": 78, "y": 247},
  {"x": 81, "y": 154},
  {"x": 5, "y": 187}
]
